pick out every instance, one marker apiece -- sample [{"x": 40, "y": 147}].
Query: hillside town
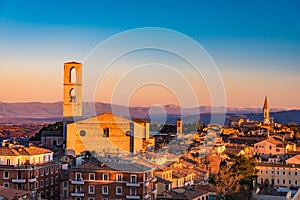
[{"x": 111, "y": 157}]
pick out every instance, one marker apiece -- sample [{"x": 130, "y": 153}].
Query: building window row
[{"x": 105, "y": 177}]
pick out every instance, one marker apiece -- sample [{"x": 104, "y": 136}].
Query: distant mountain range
[{"x": 38, "y": 110}]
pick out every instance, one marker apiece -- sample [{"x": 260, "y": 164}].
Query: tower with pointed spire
[{"x": 266, "y": 111}]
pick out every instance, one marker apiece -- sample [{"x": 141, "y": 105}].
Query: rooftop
[{"x": 19, "y": 150}]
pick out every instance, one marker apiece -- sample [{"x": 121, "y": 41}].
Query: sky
[{"x": 255, "y": 46}]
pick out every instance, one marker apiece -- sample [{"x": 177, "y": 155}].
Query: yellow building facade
[{"x": 105, "y": 133}]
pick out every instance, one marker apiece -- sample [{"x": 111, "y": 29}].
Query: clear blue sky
[{"x": 255, "y": 44}]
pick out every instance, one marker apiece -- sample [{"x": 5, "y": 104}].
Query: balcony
[
  {"x": 132, "y": 197},
  {"x": 32, "y": 180},
  {"x": 132, "y": 184},
  {"x": 77, "y": 181},
  {"x": 77, "y": 194},
  {"x": 18, "y": 180}
]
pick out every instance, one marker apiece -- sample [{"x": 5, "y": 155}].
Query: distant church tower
[
  {"x": 266, "y": 111},
  {"x": 72, "y": 105},
  {"x": 179, "y": 128}
]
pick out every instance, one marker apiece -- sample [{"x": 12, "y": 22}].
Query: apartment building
[
  {"x": 112, "y": 180},
  {"x": 31, "y": 169},
  {"x": 278, "y": 174}
]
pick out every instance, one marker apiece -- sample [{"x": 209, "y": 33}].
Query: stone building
[
  {"x": 105, "y": 133},
  {"x": 278, "y": 174},
  {"x": 117, "y": 179},
  {"x": 31, "y": 169}
]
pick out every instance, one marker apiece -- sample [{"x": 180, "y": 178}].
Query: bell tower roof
[{"x": 266, "y": 104}]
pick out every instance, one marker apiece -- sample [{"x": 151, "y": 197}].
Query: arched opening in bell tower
[
  {"x": 72, "y": 95},
  {"x": 73, "y": 75}
]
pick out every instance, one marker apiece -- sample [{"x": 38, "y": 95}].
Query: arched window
[
  {"x": 72, "y": 95},
  {"x": 8, "y": 162},
  {"x": 73, "y": 75}
]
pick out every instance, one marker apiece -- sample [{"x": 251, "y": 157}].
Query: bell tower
[
  {"x": 72, "y": 105},
  {"x": 266, "y": 111}
]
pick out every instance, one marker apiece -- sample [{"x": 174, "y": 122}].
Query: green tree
[
  {"x": 57, "y": 126},
  {"x": 234, "y": 180}
]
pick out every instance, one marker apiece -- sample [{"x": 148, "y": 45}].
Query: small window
[
  {"x": 65, "y": 184},
  {"x": 119, "y": 177},
  {"x": 283, "y": 181},
  {"x": 5, "y": 185},
  {"x": 91, "y": 189},
  {"x": 8, "y": 162},
  {"x": 106, "y": 132},
  {"x": 82, "y": 133},
  {"x": 296, "y": 182},
  {"x": 283, "y": 172},
  {"x": 47, "y": 181},
  {"x": 104, "y": 189},
  {"x": 78, "y": 176},
  {"x": 6, "y": 175},
  {"x": 42, "y": 183},
  {"x": 36, "y": 185},
  {"x": 91, "y": 176},
  {"x": 105, "y": 177},
  {"x": 51, "y": 181},
  {"x": 296, "y": 173},
  {"x": 119, "y": 190},
  {"x": 47, "y": 171},
  {"x": 277, "y": 181},
  {"x": 133, "y": 179}
]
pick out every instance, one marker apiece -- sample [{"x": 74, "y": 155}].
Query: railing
[
  {"x": 33, "y": 179},
  {"x": 77, "y": 193},
  {"x": 79, "y": 181},
  {"x": 18, "y": 180},
  {"x": 132, "y": 184},
  {"x": 132, "y": 197}
]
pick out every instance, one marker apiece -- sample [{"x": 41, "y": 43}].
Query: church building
[{"x": 105, "y": 133}]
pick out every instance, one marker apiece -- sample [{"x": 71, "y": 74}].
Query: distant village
[{"x": 110, "y": 157}]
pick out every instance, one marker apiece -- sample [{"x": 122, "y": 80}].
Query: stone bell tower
[
  {"x": 72, "y": 108},
  {"x": 72, "y": 104},
  {"x": 266, "y": 111}
]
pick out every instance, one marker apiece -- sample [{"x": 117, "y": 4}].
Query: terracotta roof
[
  {"x": 22, "y": 151},
  {"x": 184, "y": 193},
  {"x": 112, "y": 166},
  {"x": 9, "y": 193},
  {"x": 162, "y": 180}
]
